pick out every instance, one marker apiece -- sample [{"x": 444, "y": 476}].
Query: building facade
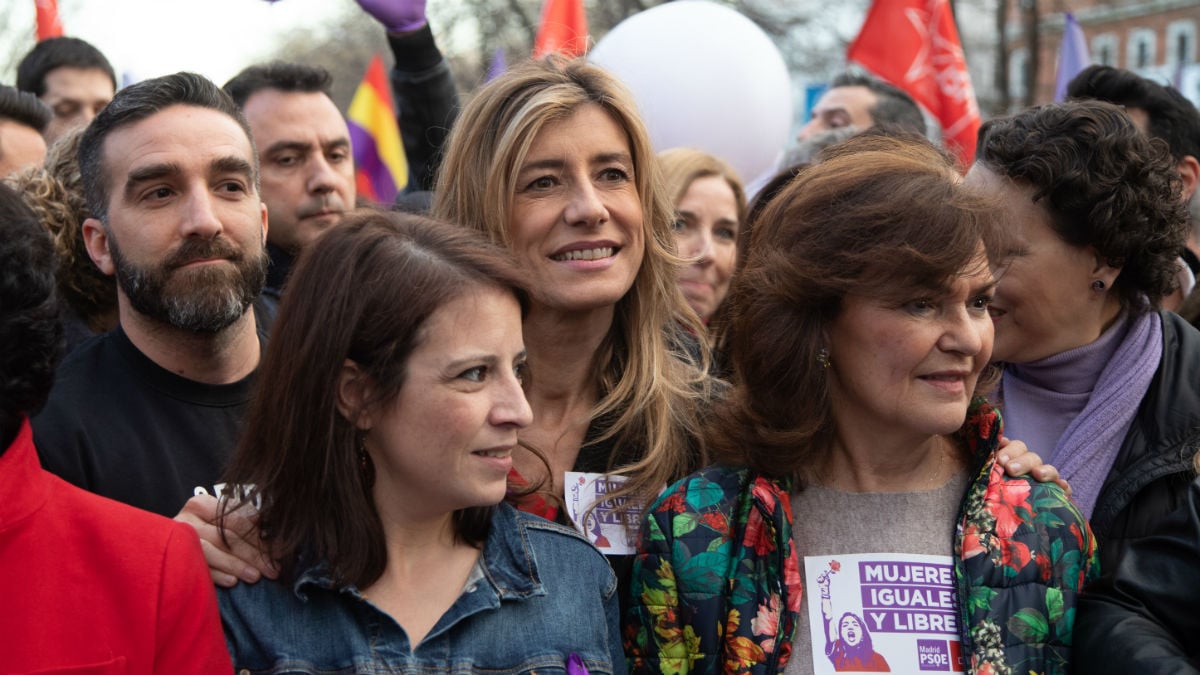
[{"x": 1155, "y": 38}]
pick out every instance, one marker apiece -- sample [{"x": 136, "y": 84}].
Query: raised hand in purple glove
[{"x": 398, "y": 16}]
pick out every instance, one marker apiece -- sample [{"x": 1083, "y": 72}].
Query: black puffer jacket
[
  {"x": 1145, "y": 616},
  {"x": 1153, "y": 469}
]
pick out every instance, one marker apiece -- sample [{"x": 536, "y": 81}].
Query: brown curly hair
[
  {"x": 1104, "y": 183},
  {"x": 55, "y": 194}
]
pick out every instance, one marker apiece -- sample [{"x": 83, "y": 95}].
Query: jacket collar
[
  {"x": 507, "y": 561},
  {"x": 23, "y": 483}
]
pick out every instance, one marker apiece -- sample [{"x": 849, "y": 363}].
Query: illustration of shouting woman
[{"x": 847, "y": 642}]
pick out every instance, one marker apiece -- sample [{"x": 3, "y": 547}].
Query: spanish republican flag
[
  {"x": 563, "y": 29},
  {"x": 49, "y": 25},
  {"x": 380, "y": 169},
  {"x": 914, "y": 45}
]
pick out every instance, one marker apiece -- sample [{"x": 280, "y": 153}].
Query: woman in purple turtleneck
[{"x": 1096, "y": 379}]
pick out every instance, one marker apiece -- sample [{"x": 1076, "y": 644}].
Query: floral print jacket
[{"x": 716, "y": 583}]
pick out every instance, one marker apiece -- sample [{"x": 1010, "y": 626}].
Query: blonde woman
[
  {"x": 552, "y": 160},
  {"x": 710, "y": 215}
]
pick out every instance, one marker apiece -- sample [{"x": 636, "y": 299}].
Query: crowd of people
[{"x": 888, "y": 412}]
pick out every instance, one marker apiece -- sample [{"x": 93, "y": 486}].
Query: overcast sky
[{"x": 216, "y": 38}]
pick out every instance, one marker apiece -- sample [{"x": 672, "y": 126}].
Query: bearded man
[{"x": 148, "y": 414}]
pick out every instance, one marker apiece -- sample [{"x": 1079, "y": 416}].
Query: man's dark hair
[
  {"x": 30, "y": 331},
  {"x": 894, "y": 109},
  {"x": 281, "y": 75},
  {"x": 59, "y": 52},
  {"x": 134, "y": 104},
  {"x": 1172, "y": 117},
  {"x": 23, "y": 108}
]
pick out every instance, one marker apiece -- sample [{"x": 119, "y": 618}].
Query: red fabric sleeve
[{"x": 188, "y": 635}]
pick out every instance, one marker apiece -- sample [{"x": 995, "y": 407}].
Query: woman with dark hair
[
  {"x": 848, "y": 644},
  {"x": 377, "y": 451},
  {"x": 1094, "y": 377},
  {"x": 850, "y": 648},
  {"x": 860, "y": 340}
]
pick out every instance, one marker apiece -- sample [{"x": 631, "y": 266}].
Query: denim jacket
[{"x": 540, "y": 593}]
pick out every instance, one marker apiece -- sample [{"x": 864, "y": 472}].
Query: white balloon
[{"x": 705, "y": 77}]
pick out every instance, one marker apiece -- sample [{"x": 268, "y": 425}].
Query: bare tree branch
[
  {"x": 1003, "y": 100},
  {"x": 527, "y": 21},
  {"x": 1033, "y": 43}
]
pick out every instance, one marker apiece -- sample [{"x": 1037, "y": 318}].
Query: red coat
[{"x": 91, "y": 585}]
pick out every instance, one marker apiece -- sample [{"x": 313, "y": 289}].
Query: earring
[
  {"x": 365, "y": 465},
  {"x": 1098, "y": 286},
  {"x": 823, "y": 357},
  {"x": 363, "y": 458}
]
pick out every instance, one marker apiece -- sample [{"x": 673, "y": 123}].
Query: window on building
[
  {"x": 1181, "y": 38},
  {"x": 1141, "y": 49},
  {"x": 1104, "y": 49},
  {"x": 1018, "y": 63}
]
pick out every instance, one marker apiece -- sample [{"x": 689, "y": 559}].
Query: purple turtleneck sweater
[{"x": 1042, "y": 397}]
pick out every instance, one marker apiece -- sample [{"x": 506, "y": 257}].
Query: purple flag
[
  {"x": 1073, "y": 56},
  {"x": 498, "y": 66}
]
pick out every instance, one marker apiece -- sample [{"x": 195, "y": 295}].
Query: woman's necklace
[{"x": 941, "y": 463}]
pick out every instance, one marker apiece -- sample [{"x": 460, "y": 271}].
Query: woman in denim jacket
[
  {"x": 377, "y": 451},
  {"x": 860, "y": 335}
]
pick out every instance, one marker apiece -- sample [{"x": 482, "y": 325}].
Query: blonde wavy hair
[
  {"x": 55, "y": 194},
  {"x": 683, "y": 166},
  {"x": 651, "y": 368}
]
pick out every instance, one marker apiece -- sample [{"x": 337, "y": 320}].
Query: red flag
[
  {"x": 914, "y": 45},
  {"x": 563, "y": 30},
  {"x": 48, "y": 23}
]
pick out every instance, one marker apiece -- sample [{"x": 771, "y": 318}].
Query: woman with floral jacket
[{"x": 860, "y": 335}]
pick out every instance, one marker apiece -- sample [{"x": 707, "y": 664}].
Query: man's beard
[{"x": 207, "y": 299}]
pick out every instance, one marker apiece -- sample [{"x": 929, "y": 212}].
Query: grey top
[{"x": 832, "y": 522}]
